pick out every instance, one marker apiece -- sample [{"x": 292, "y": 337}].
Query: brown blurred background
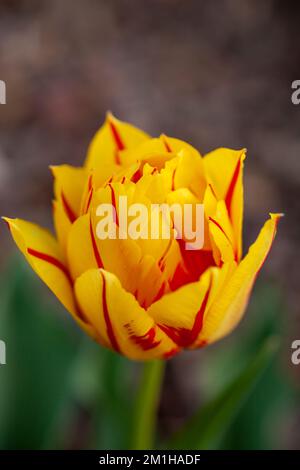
[{"x": 213, "y": 73}]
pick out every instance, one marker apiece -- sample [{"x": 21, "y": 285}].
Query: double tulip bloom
[{"x": 147, "y": 298}]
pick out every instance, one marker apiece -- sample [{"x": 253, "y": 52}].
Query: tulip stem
[{"x": 147, "y": 401}]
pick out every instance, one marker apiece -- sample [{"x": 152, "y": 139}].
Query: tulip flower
[{"x": 147, "y": 298}]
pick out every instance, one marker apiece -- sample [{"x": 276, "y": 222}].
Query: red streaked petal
[
  {"x": 95, "y": 248},
  {"x": 109, "y": 328},
  {"x": 69, "y": 211},
  {"x": 184, "y": 337},
  {"x": 50, "y": 259},
  {"x": 231, "y": 188}
]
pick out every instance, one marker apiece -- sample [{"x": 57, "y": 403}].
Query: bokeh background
[{"x": 213, "y": 73}]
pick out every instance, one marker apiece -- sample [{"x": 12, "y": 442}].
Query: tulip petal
[
  {"x": 137, "y": 269},
  {"x": 82, "y": 248},
  {"x": 189, "y": 173},
  {"x": 139, "y": 274},
  {"x": 118, "y": 318},
  {"x": 68, "y": 188},
  {"x": 230, "y": 304},
  {"x": 43, "y": 253},
  {"x": 69, "y": 183},
  {"x": 180, "y": 313},
  {"x": 224, "y": 169},
  {"x": 220, "y": 230},
  {"x": 176, "y": 145},
  {"x": 62, "y": 224},
  {"x": 152, "y": 151},
  {"x": 110, "y": 140}
]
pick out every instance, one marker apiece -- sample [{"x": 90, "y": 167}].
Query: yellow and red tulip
[{"x": 147, "y": 298}]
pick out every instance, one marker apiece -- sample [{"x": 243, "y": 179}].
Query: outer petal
[
  {"x": 69, "y": 183},
  {"x": 111, "y": 139},
  {"x": 62, "y": 223},
  {"x": 118, "y": 318},
  {"x": 180, "y": 313},
  {"x": 224, "y": 169},
  {"x": 228, "y": 308},
  {"x": 81, "y": 249},
  {"x": 44, "y": 256},
  {"x": 220, "y": 230}
]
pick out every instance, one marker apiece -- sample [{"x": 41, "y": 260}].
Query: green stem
[{"x": 147, "y": 402}]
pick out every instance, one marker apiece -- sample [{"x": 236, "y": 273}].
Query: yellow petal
[
  {"x": 111, "y": 139},
  {"x": 119, "y": 320},
  {"x": 155, "y": 185},
  {"x": 82, "y": 248},
  {"x": 227, "y": 310},
  {"x": 123, "y": 257},
  {"x": 152, "y": 151},
  {"x": 182, "y": 197},
  {"x": 189, "y": 173},
  {"x": 224, "y": 169},
  {"x": 62, "y": 224},
  {"x": 69, "y": 183},
  {"x": 220, "y": 230},
  {"x": 180, "y": 313},
  {"x": 176, "y": 145},
  {"x": 44, "y": 256}
]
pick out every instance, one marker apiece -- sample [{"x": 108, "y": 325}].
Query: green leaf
[
  {"x": 207, "y": 426},
  {"x": 40, "y": 350},
  {"x": 262, "y": 422}
]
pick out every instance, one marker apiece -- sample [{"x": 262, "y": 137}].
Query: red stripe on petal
[
  {"x": 113, "y": 201},
  {"x": 89, "y": 200},
  {"x": 220, "y": 228},
  {"x": 171, "y": 353},
  {"x": 184, "y": 337},
  {"x": 166, "y": 144},
  {"x": 109, "y": 327},
  {"x": 136, "y": 176},
  {"x": 90, "y": 182},
  {"x": 146, "y": 341},
  {"x": 51, "y": 260},
  {"x": 231, "y": 188},
  {"x": 95, "y": 248},
  {"x": 69, "y": 211},
  {"x": 212, "y": 190},
  {"x": 116, "y": 136},
  {"x": 173, "y": 180},
  {"x": 118, "y": 141},
  {"x": 198, "y": 323},
  {"x": 58, "y": 264},
  {"x": 225, "y": 234}
]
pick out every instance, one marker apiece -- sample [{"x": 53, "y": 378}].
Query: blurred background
[{"x": 212, "y": 73}]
